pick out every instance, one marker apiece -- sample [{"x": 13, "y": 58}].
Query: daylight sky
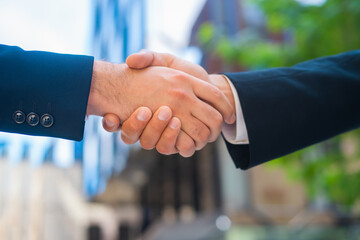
[{"x": 65, "y": 25}]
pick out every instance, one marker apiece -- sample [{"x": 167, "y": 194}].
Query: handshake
[{"x": 189, "y": 105}]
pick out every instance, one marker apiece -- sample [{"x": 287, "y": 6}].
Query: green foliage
[
  {"x": 331, "y": 168},
  {"x": 315, "y": 31},
  {"x": 295, "y": 33}
]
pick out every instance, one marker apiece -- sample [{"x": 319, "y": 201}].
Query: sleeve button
[
  {"x": 32, "y": 119},
  {"x": 47, "y": 120},
  {"x": 19, "y": 117}
]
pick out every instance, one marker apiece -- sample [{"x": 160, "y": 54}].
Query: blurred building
[
  {"x": 228, "y": 20},
  {"x": 110, "y": 191},
  {"x": 198, "y": 197},
  {"x": 264, "y": 192},
  {"x": 118, "y": 30},
  {"x": 262, "y": 195},
  {"x": 47, "y": 186}
]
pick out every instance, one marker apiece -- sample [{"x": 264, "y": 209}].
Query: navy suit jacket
[
  {"x": 286, "y": 109},
  {"x": 44, "y": 83}
]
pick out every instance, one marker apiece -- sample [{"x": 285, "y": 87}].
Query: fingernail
[
  {"x": 143, "y": 115},
  {"x": 174, "y": 124},
  {"x": 164, "y": 115},
  {"x": 110, "y": 124}
]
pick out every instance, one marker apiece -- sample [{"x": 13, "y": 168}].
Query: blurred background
[{"x": 102, "y": 189}]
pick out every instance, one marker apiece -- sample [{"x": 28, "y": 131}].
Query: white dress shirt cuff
[{"x": 236, "y": 133}]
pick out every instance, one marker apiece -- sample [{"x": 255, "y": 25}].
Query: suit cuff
[
  {"x": 43, "y": 93},
  {"x": 236, "y": 133}
]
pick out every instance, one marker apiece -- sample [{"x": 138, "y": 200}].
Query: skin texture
[
  {"x": 149, "y": 130},
  {"x": 120, "y": 90},
  {"x": 160, "y": 132}
]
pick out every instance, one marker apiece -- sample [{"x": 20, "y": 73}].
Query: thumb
[
  {"x": 111, "y": 122},
  {"x": 140, "y": 60}
]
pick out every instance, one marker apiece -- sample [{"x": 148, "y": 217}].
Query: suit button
[
  {"x": 19, "y": 117},
  {"x": 32, "y": 119},
  {"x": 47, "y": 120}
]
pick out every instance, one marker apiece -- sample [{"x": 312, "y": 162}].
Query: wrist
[
  {"x": 222, "y": 83},
  {"x": 102, "y": 91},
  {"x": 95, "y": 94}
]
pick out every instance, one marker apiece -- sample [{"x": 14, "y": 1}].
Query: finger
[
  {"x": 210, "y": 117},
  {"x": 140, "y": 60},
  {"x": 185, "y": 145},
  {"x": 155, "y": 127},
  {"x": 111, "y": 122},
  {"x": 215, "y": 97},
  {"x": 166, "y": 144},
  {"x": 133, "y": 127},
  {"x": 197, "y": 130},
  {"x": 146, "y": 58}
]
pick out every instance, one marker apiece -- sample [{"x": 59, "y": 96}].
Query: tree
[{"x": 296, "y": 32}]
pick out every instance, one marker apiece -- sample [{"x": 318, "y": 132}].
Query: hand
[
  {"x": 161, "y": 131},
  {"x": 120, "y": 90},
  {"x": 153, "y": 132},
  {"x": 134, "y": 129}
]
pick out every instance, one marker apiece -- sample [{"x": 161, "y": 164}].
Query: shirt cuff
[{"x": 236, "y": 133}]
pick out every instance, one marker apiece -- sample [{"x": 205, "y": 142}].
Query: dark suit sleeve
[
  {"x": 286, "y": 109},
  {"x": 44, "y": 83}
]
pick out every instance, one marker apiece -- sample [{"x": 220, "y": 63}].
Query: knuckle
[
  {"x": 158, "y": 125},
  {"x": 179, "y": 94},
  {"x": 170, "y": 57},
  {"x": 214, "y": 136},
  {"x": 130, "y": 127},
  {"x": 168, "y": 138},
  {"x": 200, "y": 146},
  {"x": 216, "y": 127},
  {"x": 179, "y": 76},
  {"x": 147, "y": 145},
  {"x": 163, "y": 149},
  {"x": 216, "y": 92},
  {"x": 204, "y": 136},
  {"x": 195, "y": 130},
  {"x": 201, "y": 134},
  {"x": 166, "y": 144},
  {"x": 126, "y": 139},
  {"x": 186, "y": 147},
  {"x": 218, "y": 119}
]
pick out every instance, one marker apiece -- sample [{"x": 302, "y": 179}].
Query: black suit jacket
[
  {"x": 286, "y": 109},
  {"x": 44, "y": 83}
]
